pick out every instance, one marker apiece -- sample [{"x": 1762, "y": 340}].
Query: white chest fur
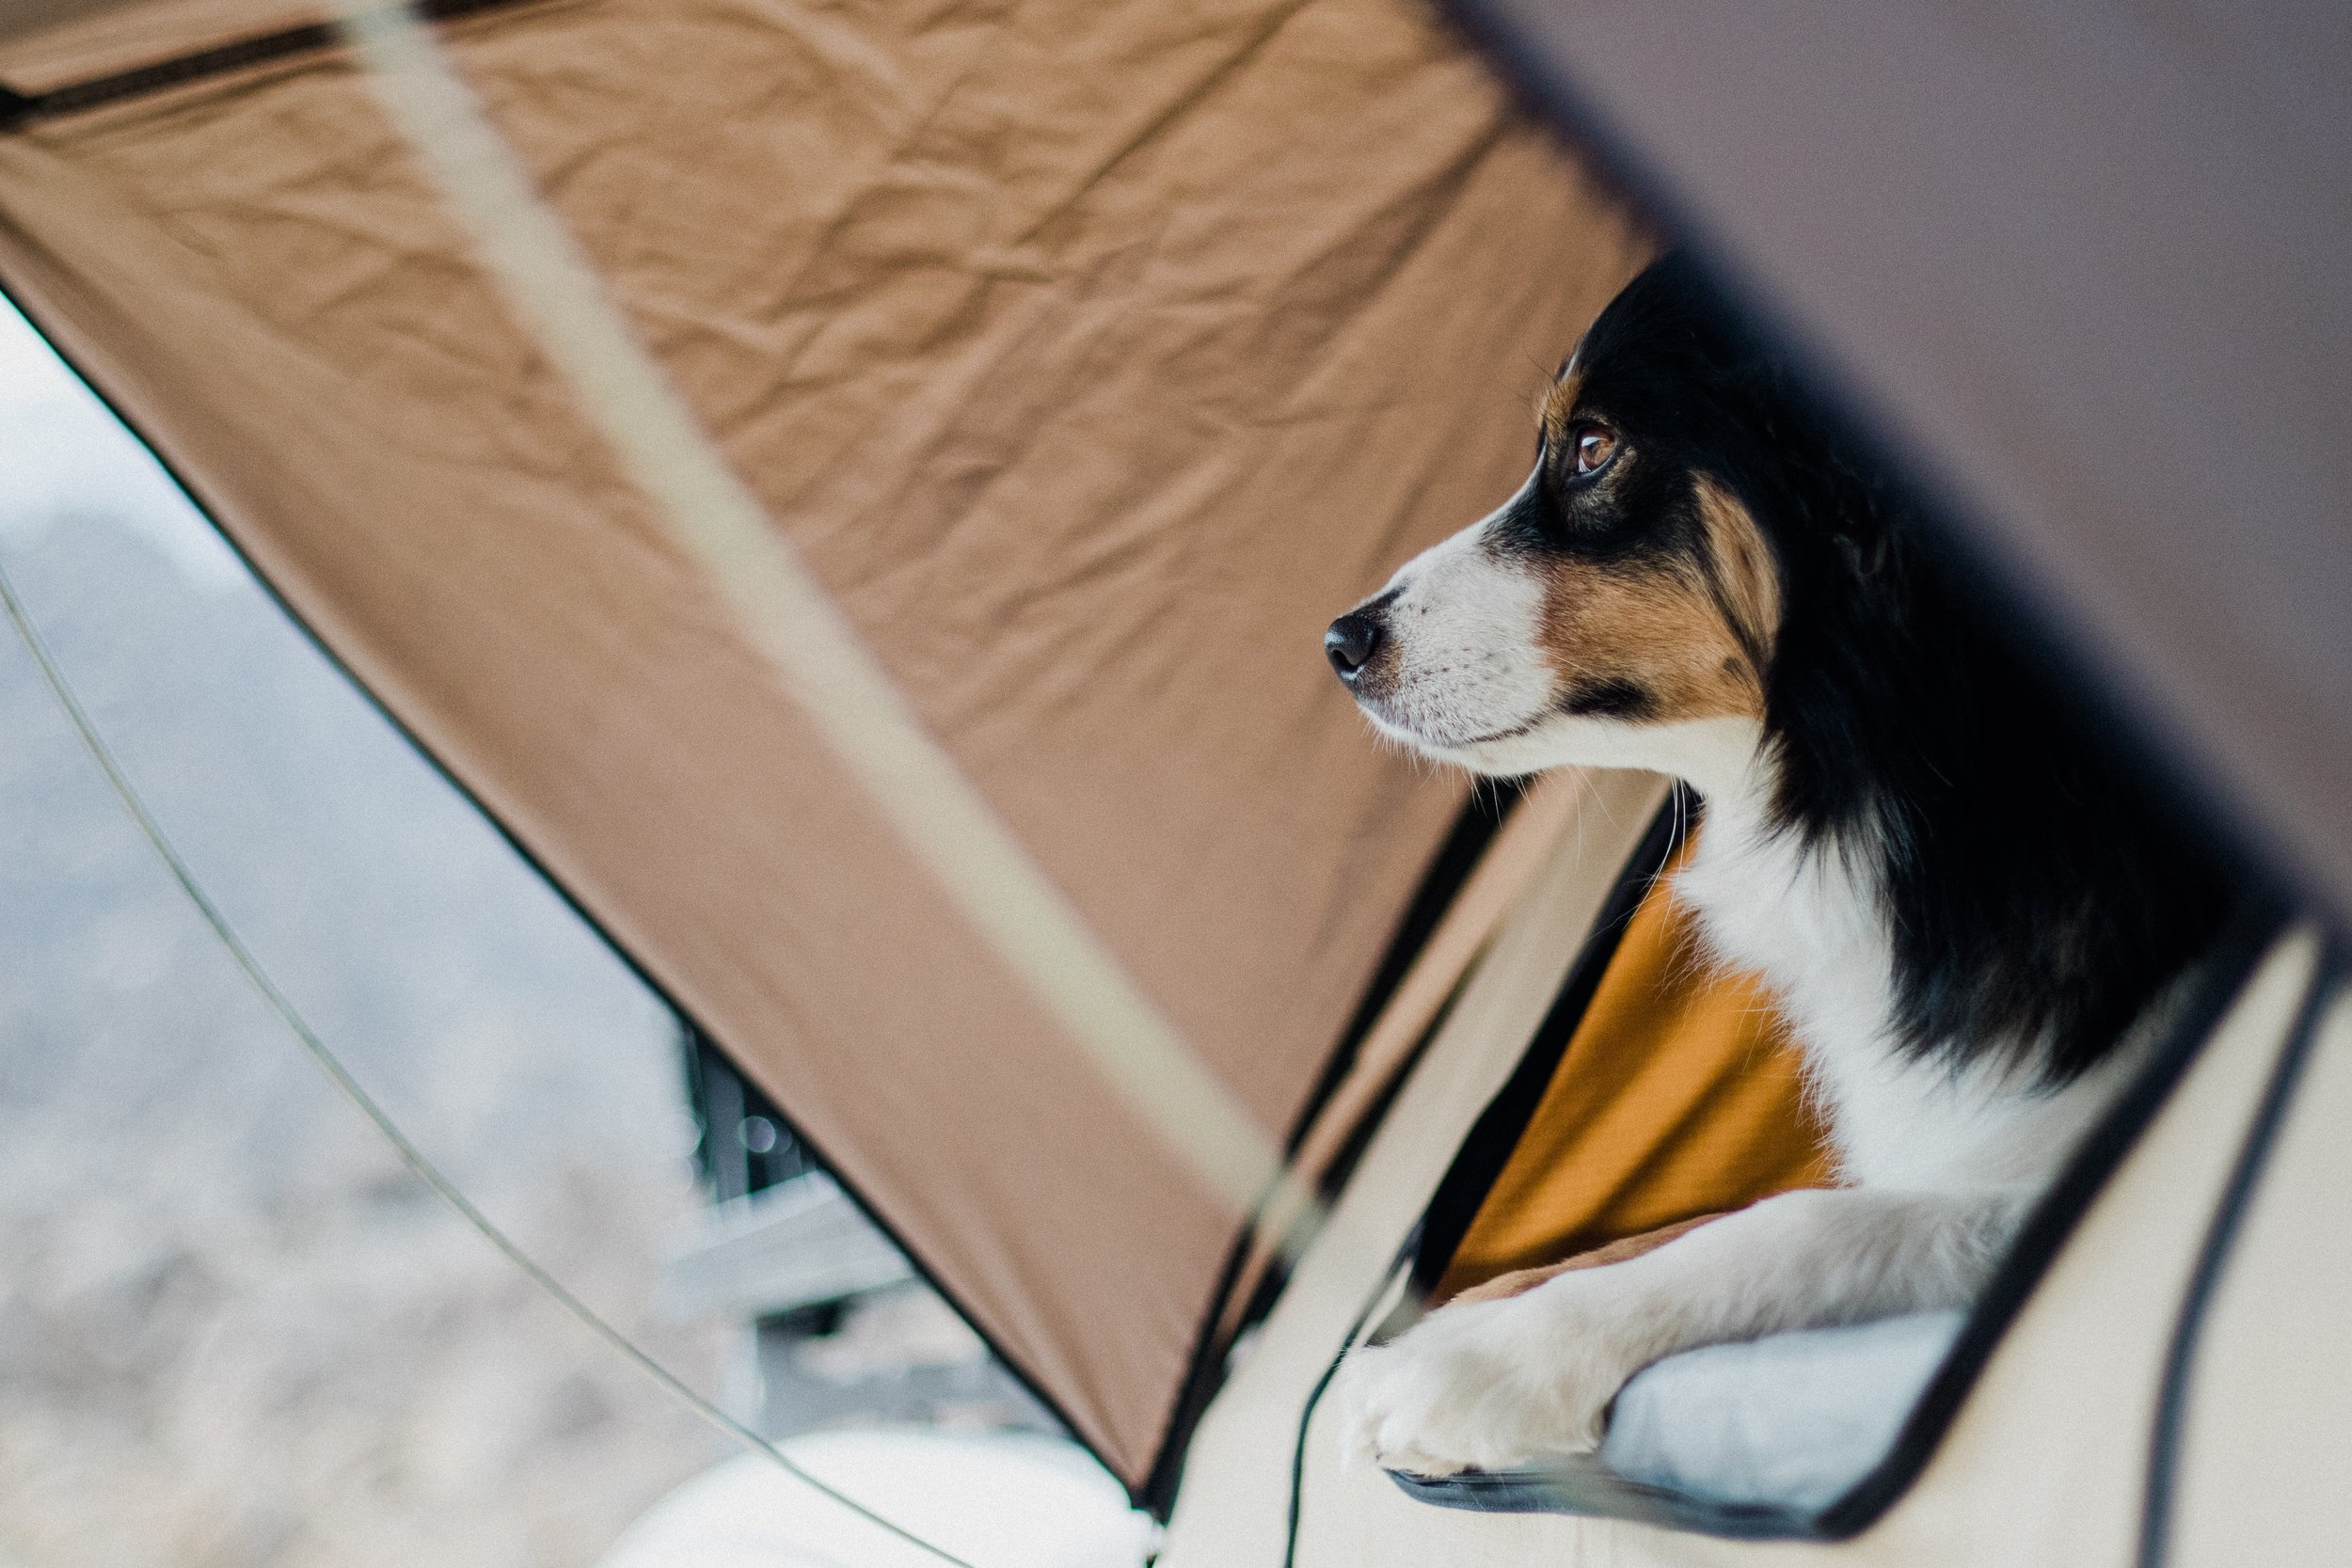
[{"x": 1811, "y": 923}]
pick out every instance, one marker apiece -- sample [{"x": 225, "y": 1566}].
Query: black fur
[
  {"x": 1609, "y": 697},
  {"x": 2040, "y": 893}
]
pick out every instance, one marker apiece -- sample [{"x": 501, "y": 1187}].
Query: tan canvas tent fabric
[{"x": 1095, "y": 355}]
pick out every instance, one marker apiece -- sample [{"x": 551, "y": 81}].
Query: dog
[{"x": 1960, "y": 900}]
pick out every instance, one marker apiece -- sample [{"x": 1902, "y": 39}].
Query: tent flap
[{"x": 1095, "y": 356}]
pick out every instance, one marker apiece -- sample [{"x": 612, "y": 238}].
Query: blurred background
[{"x": 234, "y": 1328}]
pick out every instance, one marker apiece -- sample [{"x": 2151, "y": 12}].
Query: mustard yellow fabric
[{"x": 1677, "y": 1096}]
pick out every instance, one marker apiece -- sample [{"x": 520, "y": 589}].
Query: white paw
[{"x": 1490, "y": 1385}]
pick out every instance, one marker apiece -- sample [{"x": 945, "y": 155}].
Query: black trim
[
  {"x": 1342, "y": 1169},
  {"x": 1642, "y": 870},
  {"x": 1482, "y": 816},
  {"x": 1586, "y": 1487},
  {"x": 2251, "y": 931},
  {"x": 1204, "y": 1373},
  {"x": 19, "y": 110},
  {"x": 1298, "y": 1448},
  {"x": 1478, "y": 1164},
  {"x": 1277, "y": 1272},
  {"x": 523, "y": 852},
  {"x": 1314, "y": 1401},
  {"x": 2164, "y": 1444}
]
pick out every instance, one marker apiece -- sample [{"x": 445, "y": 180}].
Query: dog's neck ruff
[{"x": 1807, "y": 915}]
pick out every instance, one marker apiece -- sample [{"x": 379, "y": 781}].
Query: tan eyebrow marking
[
  {"x": 1558, "y": 403},
  {"x": 1682, "y": 635},
  {"x": 1745, "y": 578}
]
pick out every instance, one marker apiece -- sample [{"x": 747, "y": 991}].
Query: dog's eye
[{"x": 1592, "y": 446}]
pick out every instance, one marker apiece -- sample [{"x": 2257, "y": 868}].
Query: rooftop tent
[{"x": 1093, "y": 355}]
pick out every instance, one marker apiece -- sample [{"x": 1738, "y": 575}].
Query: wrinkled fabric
[{"x": 1096, "y": 355}]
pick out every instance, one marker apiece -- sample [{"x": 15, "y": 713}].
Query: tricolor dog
[{"x": 1960, "y": 900}]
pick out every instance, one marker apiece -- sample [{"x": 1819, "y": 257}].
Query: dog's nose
[{"x": 1352, "y": 640}]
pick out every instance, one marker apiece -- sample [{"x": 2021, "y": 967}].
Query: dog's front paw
[{"x": 1487, "y": 1385}]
